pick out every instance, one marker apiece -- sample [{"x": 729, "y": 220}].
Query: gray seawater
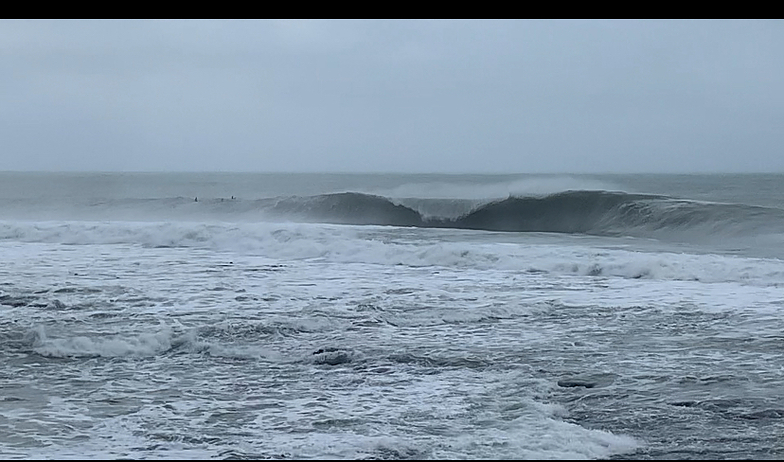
[{"x": 226, "y": 315}]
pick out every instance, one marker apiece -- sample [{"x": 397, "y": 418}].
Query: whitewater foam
[{"x": 416, "y": 247}]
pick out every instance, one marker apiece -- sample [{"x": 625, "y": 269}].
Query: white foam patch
[
  {"x": 411, "y": 247},
  {"x": 84, "y": 346}
]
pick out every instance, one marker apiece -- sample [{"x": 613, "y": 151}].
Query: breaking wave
[{"x": 604, "y": 213}]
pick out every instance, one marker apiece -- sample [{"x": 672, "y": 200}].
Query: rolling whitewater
[{"x": 228, "y": 315}]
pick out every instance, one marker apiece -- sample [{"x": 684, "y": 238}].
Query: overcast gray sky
[{"x": 392, "y": 96}]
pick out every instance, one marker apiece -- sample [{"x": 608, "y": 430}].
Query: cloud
[{"x": 441, "y": 96}]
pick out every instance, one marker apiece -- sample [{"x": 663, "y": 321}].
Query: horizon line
[{"x": 372, "y": 172}]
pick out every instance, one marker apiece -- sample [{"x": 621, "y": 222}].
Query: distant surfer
[{"x": 195, "y": 199}]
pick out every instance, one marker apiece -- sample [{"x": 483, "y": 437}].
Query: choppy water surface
[{"x": 285, "y": 325}]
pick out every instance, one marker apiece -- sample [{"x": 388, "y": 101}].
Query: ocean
[{"x": 391, "y": 316}]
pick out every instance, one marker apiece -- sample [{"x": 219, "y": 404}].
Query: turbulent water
[{"x": 391, "y": 316}]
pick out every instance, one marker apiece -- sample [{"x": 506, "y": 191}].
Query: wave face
[
  {"x": 617, "y": 213},
  {"x": 348, "y": 208},
  {"x": 567, "y": 212}
]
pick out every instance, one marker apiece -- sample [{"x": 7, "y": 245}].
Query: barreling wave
[
  {"x": 604, "y": 213},
  {"x": 589, "y": 212}
]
